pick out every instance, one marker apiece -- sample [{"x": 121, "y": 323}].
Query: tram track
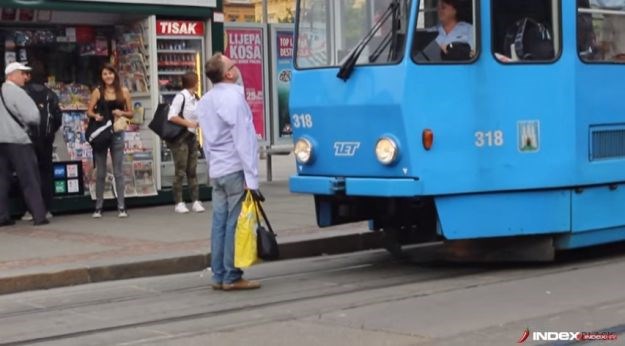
[{"x": 467, "y": 275}]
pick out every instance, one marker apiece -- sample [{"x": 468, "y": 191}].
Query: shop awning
[{"x": 186, "y": 8}]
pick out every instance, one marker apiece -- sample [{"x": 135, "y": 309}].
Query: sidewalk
[{"x": 76, "y": 249}]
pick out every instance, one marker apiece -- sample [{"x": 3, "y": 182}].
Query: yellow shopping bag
[{"x": 245, "y": 249}]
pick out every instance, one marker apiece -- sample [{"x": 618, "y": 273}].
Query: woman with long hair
[{"x": 110, "y": 101}]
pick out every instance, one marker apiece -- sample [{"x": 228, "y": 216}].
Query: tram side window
[
  {"x": 526, "y": 31},
  {"x": 446, "y": 32},
  {"x": 601, "y": 30}
]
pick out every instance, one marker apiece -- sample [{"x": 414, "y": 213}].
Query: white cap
[{"x": 15, "y": 66}]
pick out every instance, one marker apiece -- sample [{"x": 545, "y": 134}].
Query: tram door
[{"x": 600, "y": 114}]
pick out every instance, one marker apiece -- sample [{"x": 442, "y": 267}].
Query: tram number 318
[
  {"x": 489, "y": 139},
  {"x": 302, "y": 120}
]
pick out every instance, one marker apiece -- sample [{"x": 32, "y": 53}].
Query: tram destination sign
[{"x": 197, "y": 3}]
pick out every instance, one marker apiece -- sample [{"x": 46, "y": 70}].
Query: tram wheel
[{"x": 392, "y": 242}]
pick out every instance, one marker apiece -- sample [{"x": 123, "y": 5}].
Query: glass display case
[{"x": 180, "y": 49}]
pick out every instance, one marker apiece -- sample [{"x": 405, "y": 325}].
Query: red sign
[
  {"x": 245, "y": 47},
  {"x": 179, "y": 28}
]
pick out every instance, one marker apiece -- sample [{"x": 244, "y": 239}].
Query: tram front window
[{"x": 329, "y": 31}]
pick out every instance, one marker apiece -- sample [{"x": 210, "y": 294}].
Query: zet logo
[{"x": 346, "y": 148}]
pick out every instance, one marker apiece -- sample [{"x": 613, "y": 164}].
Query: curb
[{"x": 182, "y": 264}]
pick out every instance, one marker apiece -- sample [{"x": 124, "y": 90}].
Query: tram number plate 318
[
  {"x": 302, "y": 120},
  {"x": 489, "y": 139}
]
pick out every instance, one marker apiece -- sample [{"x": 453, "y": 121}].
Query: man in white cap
[{"x": 17, "y": 112}]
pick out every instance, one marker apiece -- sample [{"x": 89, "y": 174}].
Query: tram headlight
[
  {"x": 303, "y": 150},
  {"x": 386, "y": 150}
]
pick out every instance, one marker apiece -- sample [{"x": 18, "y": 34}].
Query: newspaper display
[
  {"x": 142, "y": 165},
  {"x": 109, "y": 180},
  {"x": 131, "y": 52},
  {"x": 129, "y": 180},
  {"x": 137, "y": 167}
]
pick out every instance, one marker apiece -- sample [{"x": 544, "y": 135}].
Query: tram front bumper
[{"x": 378, "y": 187}]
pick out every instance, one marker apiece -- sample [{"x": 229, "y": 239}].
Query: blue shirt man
[{"x": 231, "y": 149}]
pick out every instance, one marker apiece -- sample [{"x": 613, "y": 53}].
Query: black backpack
[
  {"x": 50, "y": 114},
  {"x": 532, "y": 41}
]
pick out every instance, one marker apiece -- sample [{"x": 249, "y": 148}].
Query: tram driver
[
  {"x": 447, "y": 35},
  {"x": 453, "y": 31}
]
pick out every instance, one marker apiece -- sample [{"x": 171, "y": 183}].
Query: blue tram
[{"x": 463, "y": 119}]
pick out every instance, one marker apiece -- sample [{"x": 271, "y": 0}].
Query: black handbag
[
  {"x": 99, "y": 134},
  {"x": 164, "y": 128},
  {"x": 266, "y": 243}
]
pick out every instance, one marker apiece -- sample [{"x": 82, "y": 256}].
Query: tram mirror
[{"x": 457, "y": 51}]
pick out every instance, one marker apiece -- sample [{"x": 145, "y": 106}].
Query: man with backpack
[
  {"x": 42, "y": 135},
  {"x": 17, "y": 112}
]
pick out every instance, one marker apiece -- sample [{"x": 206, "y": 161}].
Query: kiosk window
[
  {"x": 446, "y": 32},
  {"x": 601, "y": 30},
  {"x": 526, "y": 31}
]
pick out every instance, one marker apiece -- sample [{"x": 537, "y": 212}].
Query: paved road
[{"x": 365, "y": 298}]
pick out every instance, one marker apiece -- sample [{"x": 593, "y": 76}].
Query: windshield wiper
[
  {"x": 381, "y": 47},
  {"x": 348, "y": 66},
  {"x": 392, "y": 38}
]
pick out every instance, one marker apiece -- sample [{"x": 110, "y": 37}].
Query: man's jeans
[{"x": 228, "y": 192}]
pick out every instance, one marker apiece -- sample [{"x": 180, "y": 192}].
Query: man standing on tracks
[{"x": 231, "y": 150}]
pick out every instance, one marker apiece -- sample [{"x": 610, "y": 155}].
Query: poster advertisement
[
  {"x": 284, "y": 66},
  {"x": 245, "y": 47}
]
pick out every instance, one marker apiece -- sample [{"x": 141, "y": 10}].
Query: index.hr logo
[{"x": 567, "y": 336}]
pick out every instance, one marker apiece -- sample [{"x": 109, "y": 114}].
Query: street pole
[{"x": 265, "y": 12}]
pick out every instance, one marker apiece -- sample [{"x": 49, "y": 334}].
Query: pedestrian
[
  {"x": 231, "y": 149},
  {"x": 185, "y": 148},
  {"x": 117, "y": 103},
  {"x": 50, "y": 119},
  {"x": 18, "y": 111}
]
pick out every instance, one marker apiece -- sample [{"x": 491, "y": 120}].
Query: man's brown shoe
[
  {"x": 241, "y": 285},
  {"x": 217, "y": 287}
]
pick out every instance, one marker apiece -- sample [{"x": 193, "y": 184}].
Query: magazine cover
[
  {"x": 129, "y": 177},
  {"x": 109, "y": 181},
  {"x": 133, "y": 66},
  {"x": 133, "y": 143},
  {"x": 73, "y": 132},
  {"x": 144, "y": 174},
  {"x": 87, "y": 169}
]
